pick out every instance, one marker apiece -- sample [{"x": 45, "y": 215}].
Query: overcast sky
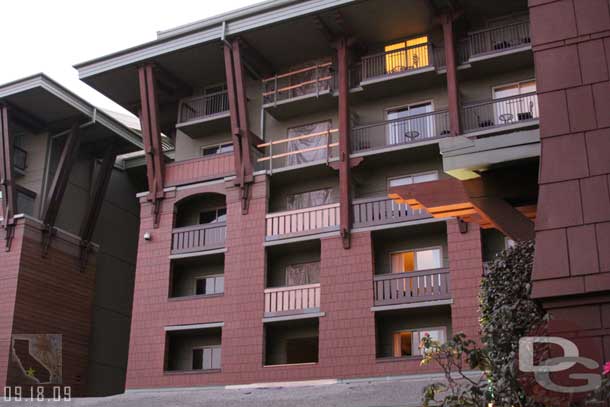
[{"x": 52, "y": 35}]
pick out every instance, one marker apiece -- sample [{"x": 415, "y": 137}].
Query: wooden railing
[
  {"x": 397, "y": 61},
  {"x": 306, "y": 221},
  {"x": 416, "y": 286},
  {"x": 405, "y": 130},
  {"x": 20, "y": 158},
  {"x": 197, "y": 238},
  {"x": 382, "y": 211},
  {"x": 198, "y": 169},
  {"x": 500, "y": 112},
  {"x": 293, "y": 299},
  {"x": 497, "y": 39},
  {"x": 199, "y": 107},
  {"x": 310, "y": 80},
  {"x": 294, "y": 151}
]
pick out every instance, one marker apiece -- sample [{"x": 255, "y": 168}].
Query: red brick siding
[{"x": 572, "y": 54}]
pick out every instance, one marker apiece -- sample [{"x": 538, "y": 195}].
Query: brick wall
[
  {"x": 571, "y": 41},
  {"x": 466, "y": 269},
  {"x": 51, "y": 295},
  {"x": 347, "y": 331}
]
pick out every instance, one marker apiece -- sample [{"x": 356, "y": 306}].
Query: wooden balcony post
[
  {"x": 452, "y": 82},
  {"x": 344, "y": 140},
  {"x": 7, "y": 180},
  {"x": 151, "y": 135}
]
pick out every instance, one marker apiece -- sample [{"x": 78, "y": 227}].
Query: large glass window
[
  {"x": 309, "y": 199},
  {"x": 413, "y": 179},
  {"x": 206, "y": 358},
  {"x": 304, "y": 273},
  {"x": 217, "y": 149},
  {"x": 406, "y": 124},
  {"x": 409, "y": 342},
  {"x": 415, "y": 260},
  {"x": 213, "y": 216},
  {"x": 518, "y": 102},
  {"x": 303, "y": 149},
  {"x": 409, "y": 54}
]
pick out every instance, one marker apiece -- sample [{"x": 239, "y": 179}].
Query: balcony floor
[{"x": 205, "y": 125}]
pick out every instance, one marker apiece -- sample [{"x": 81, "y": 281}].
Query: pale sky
[{"x": 52, "y": 35}]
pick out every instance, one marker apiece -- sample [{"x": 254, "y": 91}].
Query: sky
[{"x": 52, "y": 35}]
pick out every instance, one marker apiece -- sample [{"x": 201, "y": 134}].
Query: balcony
[
  {"x": 199, "y": 169},
  {"x": 514, "y": 111},
  {"x": 299, "y": 151},
  {"x": 20, "y": 158},
  {"x": 383, "y": 211},
  {"x": 199, "y": 115},
  {"x": 291, "y": 93},
  {"x": 490, "y": 42},
  {"x": 292, "y": 300},
  {"x": 302, "y": 222},
  {"x": 411, "y": 287},
  {"x": 198, "y": 238},
  {"x": 398, "y": 133}
]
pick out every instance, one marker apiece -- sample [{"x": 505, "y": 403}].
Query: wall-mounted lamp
[{"x": 147, "y": 236}]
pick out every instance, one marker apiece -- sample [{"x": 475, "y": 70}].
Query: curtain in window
[
  {"x": 301, "y": 274},
  {"x": 310, "y": 199},
  {"x": 302, "y": 146}
]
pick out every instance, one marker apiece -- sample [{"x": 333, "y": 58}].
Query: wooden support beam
[
  {"x": 324, "y": 29},
  {"x": 242, "y": 109},
  {"x": 60, "y": 179},
  {"x": 344, "y": 142},
  {"x": 505, "y": 217},
  {"x": 452, "y": 82},
  {"x": 151, "y": 136},
  {"x": 261, "y": 66},
  {"x": 98, "y": 191},
  {"x": 7, "y": 180},
  {"x": 233, "y": 114}
]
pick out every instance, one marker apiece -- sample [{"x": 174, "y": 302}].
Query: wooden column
[
  {"x": 452, "y": 82},
  {"x": 151, "y": 135},
  {"x": 61, "y": 177},
  {"x": 7, "y": 180},
  {"x": 344, "y": 141},
  {"x": 238, "y": 106}
]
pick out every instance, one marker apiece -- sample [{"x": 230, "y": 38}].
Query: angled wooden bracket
[
  {"x": 7, "y": 180},
  {"x": 58, "y": 186},
  {"x": 85, "y": 251}
]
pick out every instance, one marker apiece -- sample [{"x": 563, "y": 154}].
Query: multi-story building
[
  {"x": 342, "y": 171},
  {"x": 63, "y": 272}
]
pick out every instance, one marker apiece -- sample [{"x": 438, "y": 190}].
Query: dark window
[
  {"x": 200, "y": 286},
  {"x": 197, "y": 359},
  {"x": 213, "y": 216},
  {"x": 302, "y": 350},
  {"x": 219, "y": 149},
  {"x": 210, "y": 285}
]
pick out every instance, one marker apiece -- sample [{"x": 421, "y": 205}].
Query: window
[
  {"x": 413, "y": 179},
  {"x": 217, "y": 149},
  {"x": 403, "y": 128},
  {"x": 415, "y": 260},
  {"x": 309, "y": 199},
  {"x": 209, "y": 285},
  {"x": 409, "y": 54},
  {"x": 409, "y": 342},
  {"x": 213, "y": 216},
  {"x": 308, "y": 149},
  {"x": 304, "y": 273},
  {"x": 513, "y": 107},
  {"x": 206, "y": 358},
  {"x": 24, "y": 201}
]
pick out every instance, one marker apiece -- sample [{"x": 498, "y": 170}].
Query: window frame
[
  {"x": 412, "y": 175},
  {"x": 217, "y": 145},
  {"x": 518, "y": 83},
  {"x": 331, "y": 194},
  {"x": 415, "y": 250},
  {"x": 415, "y": 344},
  {"x": 298, "y": 264},
  {"x": 205, "y": 277},
  {"x": 203, "y": 348},
  {"x": 216, "y": 209}
]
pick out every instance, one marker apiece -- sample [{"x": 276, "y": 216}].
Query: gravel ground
[{"x": 397, "y": 392}]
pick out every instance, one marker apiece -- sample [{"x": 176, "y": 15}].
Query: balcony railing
[
  {"x": 409, "y": 287},
  {"x": 201, "y": 107},
  {"x": 405, "y": 130},
  {"x": 383, "y": 211},
  {"x": 397, "y": 61},
  {"x": 500, "y": 112},
  {"x": 498, "y": 39},
  {"x": 20, "y": 158},
  {"x": 292, "y": 300},
  {"x": 306, "y": 221},
  {"x": 198, "y": 238},
  {"x": 198, "y": 169},
  {"x": 311, "y": 80},
  {"x": 301, "y": 150}
]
